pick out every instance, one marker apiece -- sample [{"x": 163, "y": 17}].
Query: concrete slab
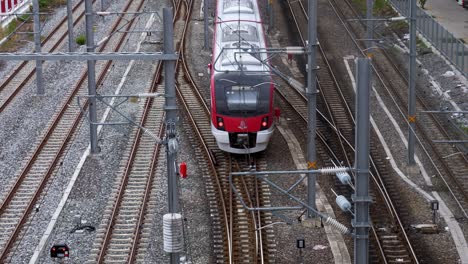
[
  {"x": 335, "y": 238},
  {"x": 450, "y": 15}
]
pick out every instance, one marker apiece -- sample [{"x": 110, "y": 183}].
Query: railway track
[
  {"x": 118, "y": 236},
  {"x": 388, "y": 244},
  {"x": 255, "y": 193},
  {"x": 123, "y": 235},
  {"x": 40, "y": 167},
  {"x": 23, "y": 73},
  {"x": 453, "y": 171},
  {"x": 236, "y": 237}
]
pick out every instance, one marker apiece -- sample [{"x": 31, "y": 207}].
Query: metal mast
[
  {"x": 412, "y": 84},
  {"x": 37, "y": 44},
  {"x": 171, "y": 119},
  {"x": 361, "y": 197},
  {"x": 311, "y": 92},
  {"x": 91, "y": 76}
]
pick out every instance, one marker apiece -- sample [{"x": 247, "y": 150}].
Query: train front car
[{"x": 241, "y": 85}]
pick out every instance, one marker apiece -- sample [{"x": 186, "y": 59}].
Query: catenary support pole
[
  {"x": 171, "y": 118},
  {"x": 361, "y": 197},
  {"x": 311, "y": 92},
  {"x": 91, "y": 76},
  {"x": 37, "y": 44},
  {"x": 205, "y": 16},
  {"x": 369, "y": 23},
  {"x": 70, "y": 26},
  {"x": 412, "y": 84},
  {"x": 270, "y": 16}
]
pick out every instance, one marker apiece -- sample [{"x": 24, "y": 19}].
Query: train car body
[{"x": 241, "y": 85}]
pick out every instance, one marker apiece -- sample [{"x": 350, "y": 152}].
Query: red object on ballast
[{"x": 183, "y": 170}]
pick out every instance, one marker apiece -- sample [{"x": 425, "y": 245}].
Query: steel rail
[
  {"x": 58, "y": 152},
  {"x": 204, "y": 134},
  {"x": 459, "y": 189},
  {"x": 31, "y": 70},
  {"x": 350, "y": 117},
  {"x": 131, "y": 165},
  {"x": 426, "y": 129},
  {"x": 256, "y": 216},
  {"x": 116, "y": 208},
  {"x": 137, "y": 233},
  {"x": 380, "y": 183}
]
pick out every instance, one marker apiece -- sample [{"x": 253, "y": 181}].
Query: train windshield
[{"x": 247, "y": 97}]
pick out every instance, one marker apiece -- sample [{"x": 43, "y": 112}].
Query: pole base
[
  {"x": 412, "y": 170},
  {"x": 96, "y": 153}
]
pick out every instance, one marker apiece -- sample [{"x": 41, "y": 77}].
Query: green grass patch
[
  {"x": 11, "y": 27},
  {"x": 24, "y": 18},
  {"x": 50, "y": 3},
  {"x": 381, "y": 7},
  {"x": 81, "y": 39}
]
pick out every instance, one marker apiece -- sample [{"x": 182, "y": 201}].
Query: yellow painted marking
[
  {"x": 312, "y": 165},
  {"x": 412, "y": 119}
]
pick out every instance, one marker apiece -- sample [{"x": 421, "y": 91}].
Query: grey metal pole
[
  {"x": 205, "y": 15},
  {"x": 412, "y": 84},
  {"x": 311, "y": 93},
  {"x": 370, "y": 23},
  {"x": 171, "y": 118},
  {"x": 361, "y": 197},
  {"x": 91, "y": 77},
  {"x": 37, "y": 44},
  {"x": 270, "y": 15},
  {"x": 70, "y": 26}
]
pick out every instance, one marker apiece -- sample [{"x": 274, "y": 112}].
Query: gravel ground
[
  {"x": 23, "y": 124},
  {"x": 285, "y": 235},
  {"x": 331, "y": 36}
]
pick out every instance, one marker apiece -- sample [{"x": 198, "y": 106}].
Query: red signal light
[{"x": 183, "y": 170}]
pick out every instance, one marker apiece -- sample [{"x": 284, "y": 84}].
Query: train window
[
  {"x": 242, "y": 95},
  {"x": 241, "y": 98}
]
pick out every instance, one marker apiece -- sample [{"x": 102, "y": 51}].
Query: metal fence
[{"x": 444, "y": 41}]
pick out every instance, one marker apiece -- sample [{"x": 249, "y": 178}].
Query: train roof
[
  {"x": 228, "y": 10},
  {"x": 238, "y": 30},
  {"x": 235, "y": 42}
]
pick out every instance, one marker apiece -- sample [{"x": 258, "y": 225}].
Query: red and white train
[{"x": 242, "y": 113}]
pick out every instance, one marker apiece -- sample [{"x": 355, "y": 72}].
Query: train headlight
[
  {"x": 264, "y": 124},
  {"x": 220, "y": 123}
]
